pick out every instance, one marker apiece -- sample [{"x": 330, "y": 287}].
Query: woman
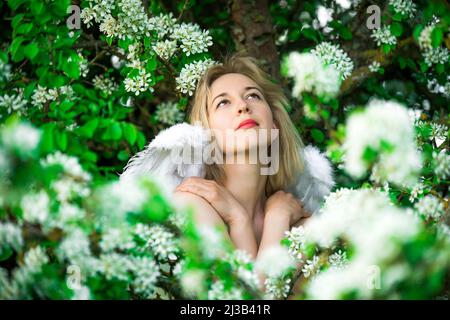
[
  {"x": 234, "y": 100},
  {"x": 253, "y": 206}
]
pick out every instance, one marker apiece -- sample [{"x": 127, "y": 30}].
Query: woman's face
[{"x": 234, "y": 98}]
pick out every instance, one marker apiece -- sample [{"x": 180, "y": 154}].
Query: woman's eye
[
  {"x": 253, "y": 94},
  {"x": 218, "y": 105}
]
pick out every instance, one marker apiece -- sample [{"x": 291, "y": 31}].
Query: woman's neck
[{"x": 246, "y": 183}]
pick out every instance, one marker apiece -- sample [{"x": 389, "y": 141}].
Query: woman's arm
[
  {"x": 282, "y": 212},
  {"x": 240, "y": 230}
]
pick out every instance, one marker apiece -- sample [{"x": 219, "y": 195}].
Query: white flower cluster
[
  {"x": 146, "y": 273},
  {"x": 165, "y": 49},
  {"x": 332, "y": 54},
  {"x": 296, "y": 237},
  {"x": 417, "y": 190},
  {"x": 442, "y": 164},
  {"x": 35, "y": 207},
  {"x": 73, "y": 180},
  {"x": 16, "y": 286},
  {"x": 218, "y": 292},
  {"x": 164, "y": 24},
  {"x": 193, "y": 40},
  {"x": 104, "y": 84},
  {"x": 430, "y": 207},
  {"x": 338, "y": 260},
  {"x": 139, "y": 83},
  {"x": 373, "y": 227},
  {"x": 116, "y": 238},
  {"x": 425, "y": 38},
  {"x": 277, "y": 287},
  {"x": 43, "y": 95},
  {"x": 383, "y": 35},
  {"x": 84, "y": 65},
  {"x": 435, "y": 87},
  {"x": 10, "y": 237},
  {"x": 437, "y": 55},
  {"x": 5, "y": 71},
  {"x": 118, "y": 198},
  {"x": 21, "y": 136},
  {"x": 160, "y": 240},
  {"x": 191, "y": 73},
  {"x": 242, "y": 263},
  {"x": 374, "y": 66},
  {"x": 13, "y": 102},
  {"x": 168, "y": 113},
  {"x": 311, "y": 267},
  {"x": 311, "y": 75},
  {"x": 406, "y": 8},
  {"x": 384, "y": 127},
  {"x": 212, "y": 242},
  {"x": 131, "y": 20},
  {"x": 275, "y": 261}
]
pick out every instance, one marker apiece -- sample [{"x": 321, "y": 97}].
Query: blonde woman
[{"x": 234, "y": 100}]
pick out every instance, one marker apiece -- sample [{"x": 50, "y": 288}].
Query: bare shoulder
[{"x": 204, "y": 212}]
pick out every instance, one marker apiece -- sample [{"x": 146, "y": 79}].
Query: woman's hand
[
  {"x": 219, "y": 197},
  {"x": 283, "y": 203}
]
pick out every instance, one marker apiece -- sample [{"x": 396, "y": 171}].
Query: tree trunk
[{"x": 252, "y": 32}]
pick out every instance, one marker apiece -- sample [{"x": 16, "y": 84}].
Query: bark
[{"x": 253, "y": 33}]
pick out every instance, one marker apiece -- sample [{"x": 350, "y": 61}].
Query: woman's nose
[{"x": 243, "y": 107}]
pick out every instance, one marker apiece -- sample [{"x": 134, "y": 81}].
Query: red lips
[{"x": 247, "y": 124}]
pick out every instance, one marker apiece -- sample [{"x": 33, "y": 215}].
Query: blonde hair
[{"x": 290, "y": 143}]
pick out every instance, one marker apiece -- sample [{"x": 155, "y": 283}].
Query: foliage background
[{"x": 78, "y": 88}]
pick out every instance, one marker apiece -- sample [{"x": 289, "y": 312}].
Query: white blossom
[
  {"x": 139, "y": 83},
  {"x": 383, "y": 35},
  {"x": 332, "y": 54},
  {"x": 425, "y": 38},
  {"x": 311, "y": 75},
  {"x": 13, "y": 102},
  {"x": 161, "y": 241},
  {"x": 165, "y": 49},
  {"x": 383, "y": 127},
  {"x": 296, "y": 237},
  {"x": 21, "y": 136},
  {"x": 277, "y": 287},
  {"x": 193, "y": 40},
  {"x": 441, "y": 164},
  {"x": 338, "y": 259},
  {"x": 168, "y": 113},
  {"x": 406, "y": 8},
  {"x": 5, "y": 71},
  {"x": 35, "y": 207},
  {"x": 374, "y": 66},
  {"x": 116, "y": 238},
  {"x": 275, "y": 261},
  {"x": 191, "y": 73},
  {"x": 436, "y": 56},
  {"x": 163, "y": 24},
  {"x": 104, "y": 84},
  {"x": 116, "y": 266},
  {"x": 146, "y": 275},
  {"x": 430, "y": 207},
  {"x": 218, "y": 292},
  {"x": 311, "y": 266},
  {"x": 10, "y": 236}
]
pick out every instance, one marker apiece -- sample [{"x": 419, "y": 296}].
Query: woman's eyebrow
[{"x": 225, "y": 94}]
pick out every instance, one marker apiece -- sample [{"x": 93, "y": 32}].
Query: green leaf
[
  {"x": 109, "y": 40},
  {"x": 417, "y": 31},
  {"x": 440, "y": 68},
  {"x": 436, "y": 37},
  {"x": 24, "y": 28},
  {"x": 130, "y": 133},
  {"x": 396, "y": 29},
  {"x": 88, "y": 129},
  {"x": 386, "y": 48},
  {"x": 113, "y": 132},
  {"x": 72, "y": 69},
  {"x": 123, "y": 155},
  {"x": 16, "y": 20},
  {"x": 345, "y": 33},
  {"x": 14, "y": 4},
  {"x": 61, "y": 140},
  {"x": 36, "y": 7},
  {"x": 31, "y": 50},
  {"x": 317, "y": 135},
  {"x": 15, "y": 44}
]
